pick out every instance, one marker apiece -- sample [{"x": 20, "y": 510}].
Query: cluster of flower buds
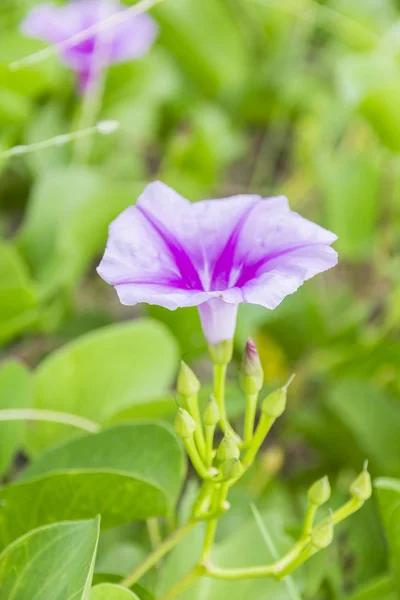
[{"x": 221, "y": 465}]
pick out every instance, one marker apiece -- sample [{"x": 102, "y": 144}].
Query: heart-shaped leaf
[
  {"x": 50, "y": 563},
  {"x": 149, "y": 450},
  {"x": 102, "y": 373}
]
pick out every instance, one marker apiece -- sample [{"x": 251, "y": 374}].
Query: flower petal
[{"x": 285, "y": 274}]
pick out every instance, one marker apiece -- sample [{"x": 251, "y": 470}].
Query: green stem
[
  {"x": 345, "y": 511},
  {"x": 220, "y": 494},
  {"x": 219, "y": 393},
  {"x": 309, "y": 519},
  {"x": 157, "y": 554},
  {"x": 251, "y": 408},
  {"x": 196, "y": 459},
  {"x": 263, "y": 427},
  {"x": 209, "y": 443},
  {"x": 193, "y": 408},
  {"x": 184, "y": 583},
  {"x": 203, "y": 500},
  {"x": 153, "y": 527}
]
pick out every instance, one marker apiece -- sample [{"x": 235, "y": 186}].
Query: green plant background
[{"x": 299, "y": 97}]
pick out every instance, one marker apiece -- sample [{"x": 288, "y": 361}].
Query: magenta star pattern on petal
[
  {"x": 121, "y": 42},
  {"x": 213, "y": 254}
]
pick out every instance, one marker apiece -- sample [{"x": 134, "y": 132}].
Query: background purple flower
[
  {"x": 213, "y": 254},
  {"x": 123, "y": 41}
]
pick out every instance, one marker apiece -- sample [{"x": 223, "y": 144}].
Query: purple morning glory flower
[
  {"x": 212, "y": 254},
  {"x": 121, "y": 42}
]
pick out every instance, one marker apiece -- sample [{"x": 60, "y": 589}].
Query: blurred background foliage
[{"x": 299, "y": 97}]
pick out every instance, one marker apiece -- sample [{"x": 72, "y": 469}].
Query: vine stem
[
  {"x": 157, "y": 554},
  {"x": 37, "y": 414},
  {"x": 185, "y": 582}
]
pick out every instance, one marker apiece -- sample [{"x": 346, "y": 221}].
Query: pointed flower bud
[
  {"x": 232, "y": 469},
  {"x": 322, "y": 535},
  {"x": 361, "y": 488},
  {"x": 211, "y": 414},
  {"x": 228, "y": 449},
  {"x": 184, "y": 425},
  {"x": 319, "y": 492},
  {"x": 252, "y": 374},
  {"x": 188, "y": 384},
  {"x": 275, "y": 403}
]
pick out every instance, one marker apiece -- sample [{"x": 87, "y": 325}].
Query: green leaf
[
  {"x": 18, "y": 294},
  {"x": 379, "y": 589},
  {"x": 351, "y": 190},
  {"x": 110, "y": 591},
  {"x": 102, "y": 373},
  {"x": 50, "y": 563},
  {"x": 60, "y": 246},
  {"x": 379, "y": 107},
  {"x": 148, "y": 450},
  {"x": 15, "y": 392},
  {"x": 81, "y": 494},
  {"x": 371, "y": 416},
  {"x": 388, "y": 494},
  {"x": 207, "y": 42}
]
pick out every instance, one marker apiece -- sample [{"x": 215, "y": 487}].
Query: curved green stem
[
  {"x": 157, "y": 554},
  {"x": 184, "y": 583},
  {"x": 251, "y": 408},
  {"x": 193, "y": 408}
]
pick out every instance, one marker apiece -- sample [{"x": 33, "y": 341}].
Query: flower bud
[
  {"x": 361, "y": 488},
  {"x": 275, "y": 403},
  {"x": 184, "y": 425},
  {"x": 251, "y": 375},
  {"x": 211, "y": 414},
  {"x": 319, "y": 492},
  {"x": 228, "y": 449},
  {"x": 231, "y": 469},
  {"x": 322, "y": 535},
  {"x": 188, "y": 384}
]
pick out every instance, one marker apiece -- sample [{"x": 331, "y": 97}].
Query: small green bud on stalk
[
  {"x": 188, "y": 384},
  {"x": 232, "y": 469},
  {"x": 184, "y": 425},
  {"x": 211, "y": 414},
  {"x": 251, "y": 374},
  {"x": 361, "y": 488},
  {"x": 275, "y": 403},
  {"x": 228, "y": 449},
  {"x": 319, "y": 492},
  {"x": 322, "y": 535}
]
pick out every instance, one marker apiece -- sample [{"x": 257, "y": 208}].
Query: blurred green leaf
[
  {"x": 102, "y": 373},
  {"x": 351, "y": 191},
  {"x": 124, "y": 448},
  {"x": 78, "y": 494},
  {"x": 207, "y": 42},
  {"x": 372, "y": 417},
  {"x": 60, "y": 235},
  {"x": 388, "y": 494},
  {"x": 110, "y": 591},
  {"x": 15, "y": 392},
  {"x": 380, "y": 589},
  {"x": 51, "y": 563},
  {"x": 379, "y": 106}
]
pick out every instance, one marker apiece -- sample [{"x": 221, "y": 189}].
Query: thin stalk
[
  {"x": 193, "y": 408},
  {"x": 250, "y": 416},
  {"x": 219, "y": 393},
  {"x": 184, "y": 583},
  {"x": 196, "y": 459},
  {"x": 209, "y": 444},
  {"x": 36, "y": 414},
  {"x": 220, "y": 494},
  {"x": 263, "y": 427},
  {"x": 157, "y": 554},
  {"x": 309, "y": 518},
  {"x": 153, "y": 528}
]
